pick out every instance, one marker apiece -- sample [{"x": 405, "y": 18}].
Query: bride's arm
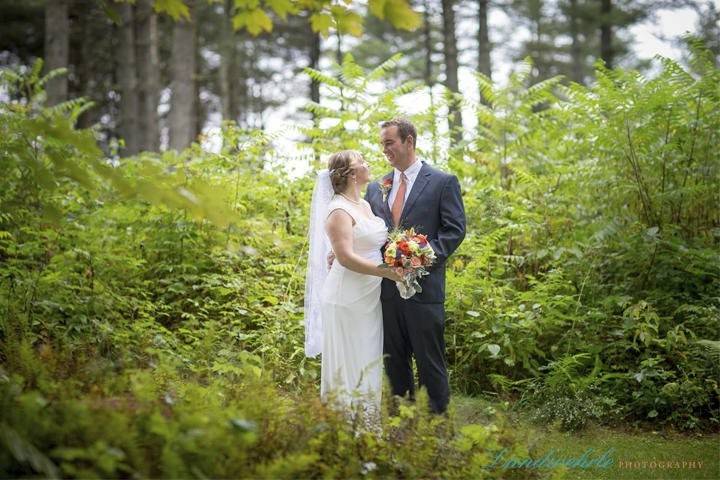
[{"x": 339, "y": 229}]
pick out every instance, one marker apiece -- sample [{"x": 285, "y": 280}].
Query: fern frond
[
  {"x": 500, "y": 382},
  {"x": 41, "y": 82},
  {"x": 404, "y": 89},
  {"x": 526, "y": 178},
  {"x": 69, "y": 107},
  {"x": 321, "y": 110},
  {"x": 520, "y": 76},
  {"x": 485, "y": 85},
  {"x": 541, "y": 90},
  {"x": 36, "y": 70},
  {"x": 381, "y": 70},
  {"x": 350, "y": 70},
  {"x": 322, "y": 78},
  {"x": 712, "y": 347}
]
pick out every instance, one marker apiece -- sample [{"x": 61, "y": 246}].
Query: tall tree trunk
[
  {"x": 126, "y": 73},
  {"x": 606, "y": 50},
  {"x": 575, "y": 49},
  {"x": 182, "y": 72},
  {"x": 148, "y": 75},
  {"x": 200, "y": 107},
  {"x": 339, "y": 59},
  {"x": 228, "y": 65},
  {"x": 484, "y": 47},
  {"x": 57, "y": 48},
  {"x": 246, "y": 69},
  {"x": 427, "y": 37},
  {"x": 339, "y": 50},
  {"x": 451, "y": 68},
  {"x": 237, "y": 84},
  {"x": 315, "y": 50},
  {"x": 84, "y": 62},
  {"x": 537, "y": 31}
]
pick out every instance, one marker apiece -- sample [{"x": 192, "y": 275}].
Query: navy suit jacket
[{"x": 434, "y": 208}]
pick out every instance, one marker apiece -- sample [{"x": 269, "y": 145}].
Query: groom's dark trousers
[
  {"x": 416, "y": 327},
  {"x": 412, "y": 328}
]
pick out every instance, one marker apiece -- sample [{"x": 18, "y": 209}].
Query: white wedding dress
[{"x": 352, "y": 347}]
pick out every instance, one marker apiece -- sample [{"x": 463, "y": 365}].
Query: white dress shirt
[{"x": 411, "y": 173}]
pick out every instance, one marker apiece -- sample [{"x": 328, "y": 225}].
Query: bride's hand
[{"x": 394, "y": 274}]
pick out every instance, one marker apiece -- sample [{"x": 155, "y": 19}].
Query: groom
[{"x": 428, "y": 200}]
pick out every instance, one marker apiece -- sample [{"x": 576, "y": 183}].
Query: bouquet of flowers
[{"x": 409, "y": 253}]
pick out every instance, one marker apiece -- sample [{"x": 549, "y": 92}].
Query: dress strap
[{"x": 339, "y": 203}]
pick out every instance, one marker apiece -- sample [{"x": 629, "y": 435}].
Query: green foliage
[
  {"x": 567, "y": 396},
  {"x": 162, "y": 423},
  {"x": 138, "y": 340},
  {"x": 354, "y": 106},
  {"x": 594, "y": 215},
  {"x": 47, "y": 155},
  {"x": 174, "y": 8},
  {"x": 151, "y": 308},
  {"x": 255, "y": 16}
]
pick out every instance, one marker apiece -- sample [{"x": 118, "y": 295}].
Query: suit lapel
[
  {"x": 420, "y": 183},
  {"x": 385, "y": 208}
]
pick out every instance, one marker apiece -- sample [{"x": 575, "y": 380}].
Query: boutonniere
[{"x": 385, "y": 187}]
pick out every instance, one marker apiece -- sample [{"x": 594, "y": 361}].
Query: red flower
[
  {"x": 385, "y": 187},
  {"x": 403, "y": 247}
]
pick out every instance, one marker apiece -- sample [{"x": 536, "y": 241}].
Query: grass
[{"x": 636, "y": 454}]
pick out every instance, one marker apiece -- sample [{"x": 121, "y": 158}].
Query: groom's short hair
[{"x": 405, "y": 128}]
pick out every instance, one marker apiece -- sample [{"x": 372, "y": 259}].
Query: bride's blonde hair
[{"x": 340, "y": 169}]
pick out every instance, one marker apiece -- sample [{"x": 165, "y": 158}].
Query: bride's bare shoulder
[{"x": 338, "y": 213}]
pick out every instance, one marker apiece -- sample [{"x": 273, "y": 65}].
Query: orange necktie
[{"x": 399, "y": 201}]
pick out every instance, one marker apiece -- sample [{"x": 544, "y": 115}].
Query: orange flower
[
  {"x": 403, "y": 247},
  {"x": 385, "y": 188}
]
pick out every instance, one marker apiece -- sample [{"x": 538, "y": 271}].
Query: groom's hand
[{"x": 330, "y": 259}]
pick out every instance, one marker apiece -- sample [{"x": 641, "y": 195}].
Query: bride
[{"x": 343, "y": 315}]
